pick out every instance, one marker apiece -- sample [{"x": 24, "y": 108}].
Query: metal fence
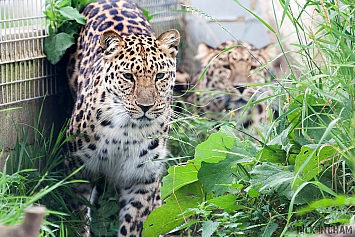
[
  {"x": 25, "y": 74},
  {"x": 164, "y": 17}
]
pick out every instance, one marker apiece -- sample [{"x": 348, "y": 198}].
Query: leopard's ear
[
  {"x": 169, "y": 41},
  {"x": 204, "y": 53},
  {"x": 269, "y": 52},
  {"x": 111, "y": 43}
]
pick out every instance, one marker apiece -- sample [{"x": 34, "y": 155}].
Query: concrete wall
[
  {"x": 25, "y": 74},
  {"x": 241, "y": 24},
  {"x": 17, "y": 117}
]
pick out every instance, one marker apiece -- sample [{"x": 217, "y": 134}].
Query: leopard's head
[
  {"x": 234, "y": 77},
  {"x": 139, "y": 72}
]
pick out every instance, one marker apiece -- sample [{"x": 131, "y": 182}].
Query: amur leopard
[
  {"x": 233, "y": 85},
  {"x": 121, "y": 77}
]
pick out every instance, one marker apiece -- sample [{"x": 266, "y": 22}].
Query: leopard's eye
[
  {"x": 159, "y": 76},
  {"x": 227, "y": 67},
  {"x": 128, "y": 76}
]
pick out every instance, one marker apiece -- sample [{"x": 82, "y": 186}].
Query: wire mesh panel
[
  {"x": 25, "y": 74},
  {"x": 164, "y": 17}
]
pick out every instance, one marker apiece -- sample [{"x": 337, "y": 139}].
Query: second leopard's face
[
  {"x": 139, "y": 73},
  {"x": 232, "y": 82}
]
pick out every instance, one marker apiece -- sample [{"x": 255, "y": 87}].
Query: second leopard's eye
[
  {"x": 159, "y": 76},
  {"x": 227, "y": 67},
  {"x": 128, "y": 76}
]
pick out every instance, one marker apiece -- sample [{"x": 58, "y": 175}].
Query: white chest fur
[{"x": 125, "y": 154}]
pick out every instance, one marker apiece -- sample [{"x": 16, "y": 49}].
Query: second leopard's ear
[
  {"x": 169, "y": 41},
  {"x": 269, "y": 52},
  {"x": 205, "y": 53},
  {"x": 111, "y": 43}
]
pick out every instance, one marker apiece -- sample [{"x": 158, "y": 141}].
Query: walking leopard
[{"x": 121, "y": 78}]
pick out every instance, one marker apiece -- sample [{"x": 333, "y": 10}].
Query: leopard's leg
[
  {"x": 136, "y": 203},
  {"x": 87, "y": 191},
  {"x": 83, "y": 190}
]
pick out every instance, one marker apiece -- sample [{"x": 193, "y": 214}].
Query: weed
[{"x": 233, "y": 187}]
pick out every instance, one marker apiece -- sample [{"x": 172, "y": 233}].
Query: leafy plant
[
  {"x": 32, "y": 176},
  {"x": 63, "y": 20},
  {"x": 233, "y": 187},
  {"x": 299, "y": 176}
]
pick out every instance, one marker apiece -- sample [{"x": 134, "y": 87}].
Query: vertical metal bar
[
  {"x": 2, "y": 72},
  {"x": 16, "y": 45},
  {"x": 26, "y": 88}
]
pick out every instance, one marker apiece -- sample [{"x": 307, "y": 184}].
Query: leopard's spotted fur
[
  {"x": 121, "y": 78},
  {"x": 232, "y": 82}
]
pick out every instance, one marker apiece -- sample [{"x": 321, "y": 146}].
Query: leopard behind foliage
[
  {"x": 233, "y": 83},
  {"x": 121, "y": 78}
]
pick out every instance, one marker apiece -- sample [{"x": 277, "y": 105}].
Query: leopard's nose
[
  {"x": 240, "y": 88},
  {"x": 144, "y": 107}
]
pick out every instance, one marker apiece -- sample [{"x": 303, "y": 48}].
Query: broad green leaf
[
  {"x": 311, "y": 116},
  {"x": 171, "y": 214},
  {"x": 85, "y": 2},
  {"x": 253, "y": 193},
  {"x": 243, "y": 151},
  {"x": 217, "y": 176},
  {"x": 214, "y": 175},
  {"x": 188, "y": 223},
  {"x": 327, "y": 202},
  {"x": 273, "y": 154},
  {"x": 269, "y": 229},
  {"x": 215, "y": 147},
  {"x": 208, "y": 228},
  {"x": 282, "y": 138},
  {"x": 72, "y": 14},
  {"x": 236, "y": 186},
  {"x": 226, "y": 202},
  {"x": 300, "y": 188},
  {"x": 316, "y": 163},
  {"x": 270, "y": 177},
  {"x": 71, "y": 28},
  {"x": 56, "y": 45},
  {"x": 49, "y": 14},
  {"x": 63, "y": 3},
  {"x": 309, "y": 171},
  {"x": 326, "y": 153},
  {"x": 179, "y": 176},
  {"x": 296, "y": 108}
]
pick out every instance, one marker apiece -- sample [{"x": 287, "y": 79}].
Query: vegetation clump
[{"x": 297, "y": 180}]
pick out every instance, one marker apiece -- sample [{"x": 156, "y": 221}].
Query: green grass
[
  {"x": 33, "y": 175},
  {"x": 301, "y": 175}
]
